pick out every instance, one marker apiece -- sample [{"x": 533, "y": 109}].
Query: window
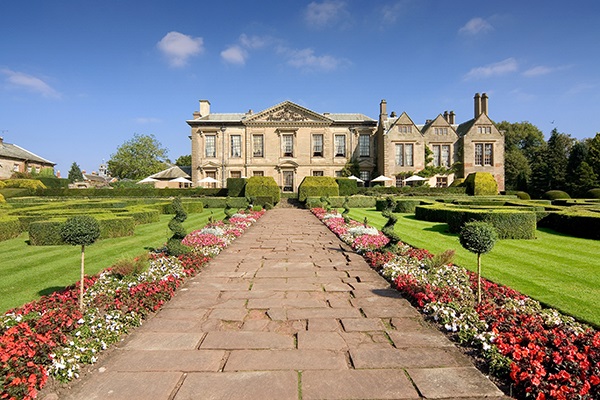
[
  {"x": 236, "y": 146},
  {"x": 441, "y": 131},
  {"x": 258, "y": 146},
  {"x": 338, "y": 174},
  {"x": 340, "y": 145},
  {"x": 364, "y": 146},
  {"x": 399, "y": 181},
  {"x": 488, "y": 154},
  {"x": 258, "y": 173},
  {"x": 405, "y": 129},
  {"x": 436, "y": 155},
  {"x": 288, "y": 181},
  {"x": 317, "y": 145},
  {"x": 288, "y": 145},
  {"x": 16, "y": 167},
  {"x": 236, "y": 174},
  {"x": 364, "y": 175},
  {"x": 484, "y": 129},
  {"x": 29, "y": 168},
  {"x": 441, "y": 155},
  {"x": 210, "y": 146},
  {"x": 441, "y": 181},
  {"x": 211, "y": 174},
  {"x": 317, "y": 173},
  {"x": 37, "y": 170},
  {"x": 478, "y": 153},
  {"x": 404, "y": 154}
]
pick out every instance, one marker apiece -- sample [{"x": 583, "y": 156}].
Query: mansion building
[{"x": 289, "y": 142}]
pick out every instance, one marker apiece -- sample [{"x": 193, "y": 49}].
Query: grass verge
[
  {"x": 558, "y": 270},
  {"x": 28, "y": 272}
]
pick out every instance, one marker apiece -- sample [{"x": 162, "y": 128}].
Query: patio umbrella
[
  {"x": 357, "y": 179},
  {"x": 414, "y": 178},
  {"x": 181, "y": 179},
  {"x": 148, "y": 180},
  {"x": 381, "y": 178},
  {"x": 208, "y": 179}
]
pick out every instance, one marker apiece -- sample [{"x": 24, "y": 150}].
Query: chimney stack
[
  {"x": 477, "y": 105},
  {"x": 446, "y": 116},
  {"x": 204, "y": 108},
  {"x": 451, "y": 118},
  {"x": 484, "y": 104},
  {"x": 383, "y": 110}
]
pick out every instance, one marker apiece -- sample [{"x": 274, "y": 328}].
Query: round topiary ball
[
  {"x": 556, "y": 195},
  {"x": 80, "y": 230},
  {"x": 593, "y": 193},
  {"x": 478, "y": 237}
]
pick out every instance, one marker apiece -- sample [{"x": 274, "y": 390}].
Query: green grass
[
  {"x": 558, "y": 270},
  {"x": 28, "y": 272}
]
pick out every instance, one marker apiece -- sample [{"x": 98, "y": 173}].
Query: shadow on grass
[{"x": 49, "y": 290}]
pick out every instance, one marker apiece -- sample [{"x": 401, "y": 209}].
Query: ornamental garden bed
[
  {"x": 538, "y": 352},
  {"x": 52, "y": 337}
]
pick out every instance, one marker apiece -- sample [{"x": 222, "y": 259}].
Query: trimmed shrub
[
  {"x": 189, "y": 206},
  {"x": 317, "y": 186},
  {"x": 593, "y": 193},
  {"x": 520, "y": 194},
  {"x": 111, "y": 227},
  {"x": 45, "y": 233},
  {"x": 2, "y": 185},
  {"x": 235, "y": 187},
  {"x": 347, "y": 187},
  {"x": 458, "y": 182},
  {"x": 10, "y": 228},
  {"x": 481, "y": 184},
  {"x": 555, "y": 195},
  {"x": 174, "y": 245},
  {"x": 221, "y": 202},
  {"x": 53, "y": 182},
  {"x": 509, "y": 223},
  {"x": 32, "y": 184},
  {"x": 263, "y": 186},
  {"x": 402, "y": 205},
  {"x": 262, "y": 201},
  {"x": 338, "y": 201},
  {"x": 578, "y": 223},
  {"x": 143, "y": 215},
  {"x": 431, "y": 213}
]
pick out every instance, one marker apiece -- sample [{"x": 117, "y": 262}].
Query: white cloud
[
  {"x": 476, "y": 26},
  {"x": 178, "y": 48},
  {"x": 148, "y": 120},
  {"x": 391, "y": 12},
  {"x": 500, "y": 68},
  {"x": 254, "y": 42},
  {"x": 306, "y": 59},
  {"x": 319, "y": 15},
  {"x": 235, "y": 55},
  {"x": 543, "y": 70},
  {"x": 29, "y": 82}
]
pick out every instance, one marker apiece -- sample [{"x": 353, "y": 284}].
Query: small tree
[
  {"x": 80, "y": 230},
  {"x": 174, "y": 246},
  {"x": 478, "y": 237},
  {"x": 75, "y": 174}
]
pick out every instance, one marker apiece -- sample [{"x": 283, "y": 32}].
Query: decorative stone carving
[{"x": 287, "y": 114}]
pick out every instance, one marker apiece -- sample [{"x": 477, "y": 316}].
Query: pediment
[
  {"x": 288, "y": 114},
  {"x": 209, "y": 164}
]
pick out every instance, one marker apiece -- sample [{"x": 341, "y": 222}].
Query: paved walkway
[{"x": 286, "y": 312}]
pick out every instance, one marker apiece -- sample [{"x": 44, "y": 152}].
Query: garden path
[{"x": 286, "y": 312}]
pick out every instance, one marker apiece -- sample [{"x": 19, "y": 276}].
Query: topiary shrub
[
  {"x": 10, "y": 227},
  {"x": 388, "y": 228},
  {"x": 317, "y": 186},
  {"x": 80, "y": 230},
  {"x": 520, "y": 194},
  {"x": 555, "y": 195},
  {"x": 347, "y": 187},
  {"x": 236, "y": 187},
  {"x": 593, "y": 194},
  {"x": 510, "y": 223},
  {"x": 32, "y": 184},
  {"x": 263, "y": 186},
  {"x": 458, "y": 182},
  {"x": 2, "y": 185},
  {"x": 174, "y": 246},
  {"x": 481, "y": 184},
  {"x": 479, "y": 238}
]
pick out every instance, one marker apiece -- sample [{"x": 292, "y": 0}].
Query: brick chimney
[
  {"x": 446, "y": 116},
  {"x": 451, "y": 117},
  {"x": 484, "y": 104},
  {"x": 383, "y": 110},
  {"x": 204, "y": 108},
  {"x": 477, "y": 99}
]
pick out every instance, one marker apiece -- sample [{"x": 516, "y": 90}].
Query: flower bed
[
  {"x": 52, "y": 337},
  {"x": 540, "y": 353}
]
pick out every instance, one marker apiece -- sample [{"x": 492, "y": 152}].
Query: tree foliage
[
  {"x": 75, "y": 174},
  {"x": 478, "y": 237},
  {"x": 174, "y": 245},
  {"x": 184, "y": 161},
  {"x": 352, "y": 167},
  {"x": 593, "y": 154},
  {"x": 80, "y": 230},
  {"x": 137, "y": 158}
]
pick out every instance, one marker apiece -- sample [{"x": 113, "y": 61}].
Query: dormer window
[
  {"x": 484, "y": 129},
  {"x": 441, "y": 131},
  {"x": 405, "y": 128}
]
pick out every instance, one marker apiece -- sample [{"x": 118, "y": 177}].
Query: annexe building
[
  {"x": 289, "y": 142},
  {"x": 16, "y": 159}
]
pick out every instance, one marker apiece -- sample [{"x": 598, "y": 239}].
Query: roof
[
  {"x": 173, "y": 172},
  {"x": 8, "y": 150},
  {"x": 349, "y": 117}
]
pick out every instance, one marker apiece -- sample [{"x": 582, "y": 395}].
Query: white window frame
[
  {"x": 340, "y": 145},
  {"x": 207, "y": 140},
  {"x": 235, "y": 146},
  {"x": 364, "y": 145},
  {"x": 287, "y": 145},
  {"x": 317, "y": 145},
  {"x": 258, "y": 145}
]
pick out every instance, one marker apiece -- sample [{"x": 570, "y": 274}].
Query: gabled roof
[
  {"x": 173, "y": 172},
  {"x": 439, "y": 121},
  {"x": 9, "y": 150},
  {"x": 465, "y": 127},
  {"x": 288, "y": 113},
  {"x": 403, "y": 119}
]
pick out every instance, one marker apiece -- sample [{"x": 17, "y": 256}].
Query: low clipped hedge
[
  {"x": 481, "y": 184},
  {"x": 47, "y": 233},
  {"x": 221, "y": 202},
  {"x": 431, "y": 213},
  {"x": 10, "y": 228},
  {"x": 317, "y": 186},
  {"x": 581, "y": 223},
  {"x": 189, "y": 206},
  {"x": 143, "y": 215},
  {"x": 31, "y": 184},
  {"x": 129, "y": 192},
  {"x": 347, "y": 186},
  {"x": 593, "y": 194},
  {"x": 403, "y": 205},
  {"x": 520, "y": 194},
  {"x": 263, "y": 186},
  {"x": 236, "y": 187},
  {"x": 411, "y": 191},
  {"x": 261, "y": 201},
  {"x": 338, "y": 201},
  {"x": 555, "y": 195},
  {"x": 53, "y": 182}
]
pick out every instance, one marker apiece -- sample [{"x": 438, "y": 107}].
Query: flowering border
[
  {"x": 540, "y": 353},
  {"x": 52, "y": 337}
]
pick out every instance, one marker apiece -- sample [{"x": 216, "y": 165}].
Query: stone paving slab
[{"x": 286, "y": 312}]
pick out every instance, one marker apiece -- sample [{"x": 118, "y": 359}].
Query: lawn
[
  {"x": 27, "y": 272},
  {"x": 558, "y": 270}
]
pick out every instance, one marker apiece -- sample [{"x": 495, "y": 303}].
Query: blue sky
[{"x": 78, "y": 78}]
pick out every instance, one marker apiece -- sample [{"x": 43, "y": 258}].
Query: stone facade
[
  {"x": 289, "y": 142},
  {"x": 16, "y": 159}
]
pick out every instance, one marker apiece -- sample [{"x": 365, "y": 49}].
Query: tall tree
[
  {"x": 75, "y": 174},
  {"x": 557, "y": 158},
  {"x": 593, "y": 154},
  {"x": 184, "y": 161},
  {"x": 137, "y": 158},
  {"x": 522, "y": 140},
  {"x": 576, "y": 158}
]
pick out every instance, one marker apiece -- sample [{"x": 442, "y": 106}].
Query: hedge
[
  {"x": 520, "y": 194},
  {"x": 411, "y": 191},
  {"x": 47, "y": 233},
  {"x": 555, "y": 195},
  {"x": 263, "y": 186},
  {"x": 32, "y": 184},
  {"x": 581, "y": 223},
  {"x": 52, "y": 182},
  {"x": 431, "y": 213},
  {"x": 338, "y": 201},
  {"x": 143, "y": 215},
  {"x": 593, "y": 194},
  {"x": 235, "y": 187},
  {"x": 403, "y": 205},
  {"x": 189, "y": 206},
  {"x": 262, "y": 201},
  {"x": 481, "y": 184},
  {"x": 130, "y": 192},
  {"x": 317, "y": 186},
  {"x": 10, "y": 228},
  {"x": 220, "y": 202},
  {"x": 347, "y": 186}
]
